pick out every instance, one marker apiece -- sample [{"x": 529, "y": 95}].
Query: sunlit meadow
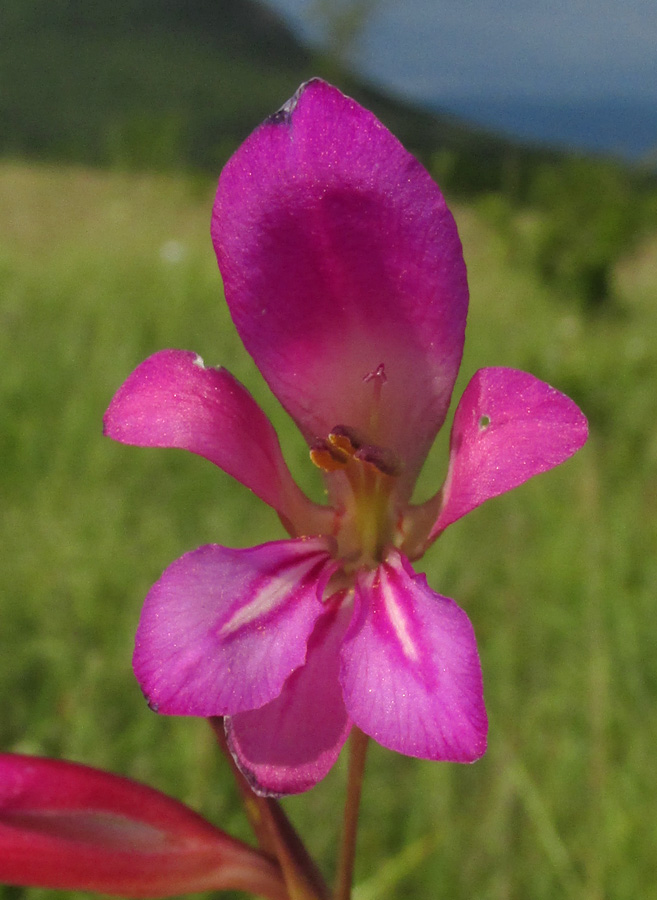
[{"x": 97, "y": 271}]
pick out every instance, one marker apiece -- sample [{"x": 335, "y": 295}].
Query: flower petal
[
  {"x": 222, "y": 629},
  {"x": 71, "y": 827},
  {"x": 411, "y": 676},
  {"x": 290, "y": 744},
  {"x": 172, "y": 400},
  {"x": 339, "y": 256},
  {"x": 508, "y": 427}
]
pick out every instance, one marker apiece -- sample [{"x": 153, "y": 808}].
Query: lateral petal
[
  {"x": 223, "y": 629},
  {"x": 172, "y": 400},
  {"x": 411, "y": 675},
  {"x": 290, "y": 744},
  {"x": 508, "y": 427},
  {"x": 339, "y": 257},
  {"x": 71, "y": 827}
]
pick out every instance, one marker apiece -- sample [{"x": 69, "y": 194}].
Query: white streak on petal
[
  {"x": 267, "y": 596},
  {"x": 397, "y": 620}
]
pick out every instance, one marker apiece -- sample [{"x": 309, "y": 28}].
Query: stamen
[
  {"x": 345, "y": 439},
  {"x": 344, "y": 444},
  {"x": 363, "y": 495},
  {"x": 328, "y": 457},
  {"x": 383, "y": 459}
]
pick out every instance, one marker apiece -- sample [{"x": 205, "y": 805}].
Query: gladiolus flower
[
  {"x": 344, "y": 275},
  {"x": 70, "y": 827}
]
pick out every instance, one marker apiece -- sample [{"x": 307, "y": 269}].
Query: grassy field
[{"x": 559, "y": 577}]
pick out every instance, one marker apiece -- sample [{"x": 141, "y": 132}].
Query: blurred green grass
[{"x": 559, "y": 577}]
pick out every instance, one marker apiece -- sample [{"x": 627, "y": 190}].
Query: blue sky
[{"x": 565, "y": 49}]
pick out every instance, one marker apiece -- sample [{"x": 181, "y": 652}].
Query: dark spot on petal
[
  {"x": 280, "y": 117},
  {"x": 484, "y": 422},
  {"x": 283, "y": 116}
]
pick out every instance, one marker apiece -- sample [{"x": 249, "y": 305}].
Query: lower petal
[
  {"x": 222, "y": 629},
  {"x": 290, "y": 744},
  {"x": 410, "y": 673}
]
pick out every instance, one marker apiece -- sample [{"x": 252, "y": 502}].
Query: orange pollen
[
  {"x": 343, "y": 444},
  {"x": 327, "y": 457}
]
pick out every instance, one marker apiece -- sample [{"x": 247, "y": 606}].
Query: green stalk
[{"x": 357, "y": 754}]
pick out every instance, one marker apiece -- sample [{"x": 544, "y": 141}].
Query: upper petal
[
  {"x": 508, "y": 426},
  {"x": 338, "y": 256},
  {"x": 172, "y": 400},
  {"x": 222, "y": 629},
  {"x": 288, "y": 745},
  {"x": 70, "y": 827},
  {"x": 411, "y": 676}
]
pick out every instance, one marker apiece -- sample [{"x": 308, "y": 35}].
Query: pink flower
[
  {"x": 70, "y": 827},
  {"x": 344, "y": 275}
]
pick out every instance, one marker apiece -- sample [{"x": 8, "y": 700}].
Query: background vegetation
[
  {"x": 96, "y": 272},
  {"x": 99, "y": 269}
]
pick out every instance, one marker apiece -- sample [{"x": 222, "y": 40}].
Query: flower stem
[{"x": 357, "y": 753}]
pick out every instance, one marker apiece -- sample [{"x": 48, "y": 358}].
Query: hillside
[{"x": 153, "y": 84}]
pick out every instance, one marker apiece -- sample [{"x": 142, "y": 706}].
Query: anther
[
  {"x": 345, "y": 438},
  {"x": 328, "y": 457},
  {"x": 383, "y": 459}
]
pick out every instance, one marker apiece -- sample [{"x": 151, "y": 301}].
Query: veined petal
[
  {"x": 508, "y": 427},
  {"x": 411, "y": 676},
  {"x": 339, "y": 256},
  {"x": 223, "y": 629},
  {"x": 172, "y": 400},
  {"x": 70, "y": 827},
  {"x": 291, "y": 743}
]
